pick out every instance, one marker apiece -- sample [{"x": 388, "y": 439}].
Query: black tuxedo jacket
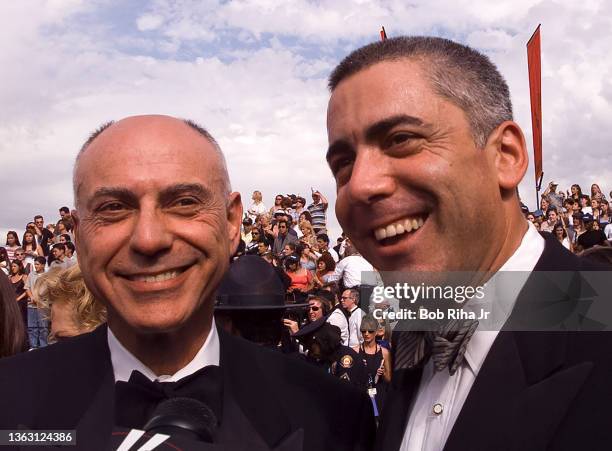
[
  {"x": 535, "y": 390},
  {"x": 70, "y": 385}
]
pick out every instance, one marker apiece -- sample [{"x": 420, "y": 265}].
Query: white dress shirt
[
  {"x": 350, "y": 328},
  {"x": 124, "y": 362},
  {"x": 350, "y": 270},
  {"x": 354, "y": 327},
  {"x": 338, "y": 318},
  {"x": 440, "y": 396}
]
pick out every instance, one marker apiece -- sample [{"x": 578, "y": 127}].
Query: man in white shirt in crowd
[
  {"x": 427, "y": 161},
  {"x": 348, "y": 318},
  {"x": 350, "y": 270}
]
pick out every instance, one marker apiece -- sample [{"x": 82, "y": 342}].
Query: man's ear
[
  {"x": 511, "y": 160},
  {"x": 234, "y": 221},
  {"x": 76, "y": 221}
]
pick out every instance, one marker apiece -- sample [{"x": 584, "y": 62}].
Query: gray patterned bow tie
[{"x": 446, "y": 346}]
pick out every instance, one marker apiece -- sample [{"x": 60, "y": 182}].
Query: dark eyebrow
[
  {"x": 338, "y": 147},
  {"x": 383, "y": 126},
  {"x": 174, "y": 191},
  {"x": 373, "y": 132},
  {"x": 166, "y": 195},
  {"x": 119, "y": 193}
]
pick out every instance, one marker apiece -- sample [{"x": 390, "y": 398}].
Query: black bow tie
[{"x": 136, "y": 399}]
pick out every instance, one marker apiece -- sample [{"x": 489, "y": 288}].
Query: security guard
[{"x": 324, "y": 348}]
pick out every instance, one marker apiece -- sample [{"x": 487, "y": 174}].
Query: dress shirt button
[{"x": 437, "y": 408}]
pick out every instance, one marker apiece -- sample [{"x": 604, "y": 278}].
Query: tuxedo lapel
[
  {"x": 254, "y": 394},
  {"x": 521, "y": 394},
  {"x": 524, "y": 388},
  {"x": 85, "y": 385},
  {"x": 96, "y": 423},
  {"x": 397, "y": 408}
]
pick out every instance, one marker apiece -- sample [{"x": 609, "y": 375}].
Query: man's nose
[
  {"x": 151, "y": 235},
  {"x": 372, "y": 177}
]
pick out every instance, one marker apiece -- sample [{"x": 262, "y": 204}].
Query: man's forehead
[
  {"x": 382, "y": 90},
  {"x": 151, "y": 134},
  {"x": 147, "y": 151}
]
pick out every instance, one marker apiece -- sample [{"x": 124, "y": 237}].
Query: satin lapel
[
  {"x": 397, "y": 408},
  {"x": 94, "y": 428},
  {"x": 244, "y": 375},
  {"x": 523, "y": 390},
  {"x": 520, "y": 395},
  {"x": 87, "y": 393},
  {"x": 490, "y": 407}
]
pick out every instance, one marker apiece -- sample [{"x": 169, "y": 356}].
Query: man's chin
[{"x": 154, "y": 324}]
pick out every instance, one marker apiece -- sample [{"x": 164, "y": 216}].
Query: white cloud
[
  {"x": 148, "y": 22},
  {"x": 254, "y": 73}
]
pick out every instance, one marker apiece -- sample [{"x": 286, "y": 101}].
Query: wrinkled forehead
[{"x": 140, "y": 157}]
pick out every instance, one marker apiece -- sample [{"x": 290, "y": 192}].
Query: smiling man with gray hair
[{"x": 427, "y": 160}]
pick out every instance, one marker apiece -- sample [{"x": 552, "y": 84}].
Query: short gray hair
[{"x": 457, "y": 73}]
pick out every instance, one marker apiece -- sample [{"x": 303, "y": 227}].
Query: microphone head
[{"x": 183, "y": 416}]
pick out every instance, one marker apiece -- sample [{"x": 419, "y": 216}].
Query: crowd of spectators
[
  {"x": 580, "y": 220},
  {"x": 25, "y": 259},
  {"x": 292, "y": 236}
]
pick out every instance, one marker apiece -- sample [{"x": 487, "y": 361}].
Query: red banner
[{"x": 535, "y": 91}]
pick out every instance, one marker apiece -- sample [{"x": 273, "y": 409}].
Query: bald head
[{"x": 169, "y": 131}]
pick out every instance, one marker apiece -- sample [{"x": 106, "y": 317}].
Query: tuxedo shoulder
[
  {"x": 558, "y": 258},
  {"x": 294, "y": 374},
  {"x": 58, "y": 375},
  {"x": 54, "y": 353},
  {"x": 57, "y": 362}
]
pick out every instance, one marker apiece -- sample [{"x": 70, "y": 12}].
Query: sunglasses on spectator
[
  {"x": 368, "y": 331},
  {"x": 314, "y": 308}
]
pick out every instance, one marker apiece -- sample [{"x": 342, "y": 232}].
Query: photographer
[{"x": 318, "y": 307}]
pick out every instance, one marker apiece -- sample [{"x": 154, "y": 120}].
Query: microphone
[{"x": 183, "y": 418}]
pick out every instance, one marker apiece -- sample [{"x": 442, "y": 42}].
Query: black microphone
[{"x": 183, "y": 418}]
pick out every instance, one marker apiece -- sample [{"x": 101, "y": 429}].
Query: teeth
[
  {"x": 397, "y": 228},
  {"x": 380, "y": 234},
  {"x": 157, "y": 278}
]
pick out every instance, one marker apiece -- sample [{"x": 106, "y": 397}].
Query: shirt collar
[
  {"x": 124, "y": 362},
  {"x": 524, "y": 259}
]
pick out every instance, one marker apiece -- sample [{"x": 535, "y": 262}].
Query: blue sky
[{"x": 254, "y": 73}]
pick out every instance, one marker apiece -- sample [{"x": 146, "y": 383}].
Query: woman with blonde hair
[
  {"x": 257, "y": 207},
  {"x": 73, "y": 309},
  {"x": 377, "y": 360},
  {"x": 308, "y": 234}
]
